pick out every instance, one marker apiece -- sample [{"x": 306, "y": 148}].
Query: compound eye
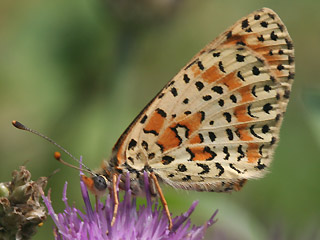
[{"x": 100, "y": 182}]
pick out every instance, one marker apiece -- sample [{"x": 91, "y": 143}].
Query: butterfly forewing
[{"x": 215, "y": 124}]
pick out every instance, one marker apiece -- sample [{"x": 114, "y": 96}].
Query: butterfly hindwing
[{"x": 216, "y": 123}]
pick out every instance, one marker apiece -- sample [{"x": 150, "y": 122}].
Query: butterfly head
[{"x": 97, "y": 184}]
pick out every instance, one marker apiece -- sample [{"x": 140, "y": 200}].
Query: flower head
[
  {"x": 149, "y": 222},
  {"x": 20, "y": 210}
]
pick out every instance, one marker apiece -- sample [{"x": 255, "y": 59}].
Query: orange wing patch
[
  {"x": 192, "y": 122},
  {"x": 231, "y": 81},
  {"x": 246, "y": 95},
  {"x": 195, "y": 139},
  {"x": 195, "y": 69},
  {"x": 243, "y": 133},
  {"x": 168, "y": 140},
  {"x": 156, "y": 122},
  {"x": 241, "y": 114},
  {"x": 253, "y": 152},
  {"x": 212, "y": 74},
  {"x": 201, "y": 153}
]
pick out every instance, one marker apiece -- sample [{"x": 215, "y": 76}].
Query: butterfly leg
[
  {"x": 163, "y": 200},
  {"x": 116, "y": 199},
  {"x": 97, "y": 198}
]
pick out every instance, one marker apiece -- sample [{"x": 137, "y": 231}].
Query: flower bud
[
  {"x": 20, "y": 177},
  {"x": 21, "y": 194},
  {"x": 4, "y": 191}
]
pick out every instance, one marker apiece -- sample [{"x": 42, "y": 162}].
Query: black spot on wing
[
  {"x": 234, "y": 168},
  {"x": 233, "y": 98},
  {"x": 272, "y": 16},
  {"x": 132, "y": 144},
  {"x": 255, "y": 71},
  {"x": 206, "y": 97},
  {"x": 266, "y": 88},
  {"x": 203, "y": 116},
  {"x": 280, "y": 67},
  {"x": 201, "y": 137},
  {"x": 289, "y": 44},
  {"x": 182, "y": 168},
  {"x": 226, "y": 151},
  {"x": 227, "y": 116},
  {"x": 260, "y": 165},
  {"x": 261, "y": 38},
  {"x": 212, "y": 136},
  {"x": 220, "y": 168},
  {"x": 199, "y": 85},
  {"x": 240, "y": 58},
  {"x": 186, "y": 178},
  {"x": 186, "y": 78},
  {"x": 201, "y": 67},
  {"x": 260, "y": 149},
  {"x": 143, "y": 120},
  {"x": 221, "y": 67},
  {"x": 229, "y": 134},
  {"x": 216, "y": 54},
  {"x": 265, "y": 129},
  {"x": 239, "y": 75},
  {"x": 161, "y": 95},
  {"x": 191, "y": 154},
  {"x": 217, "y": 89},
  {"x": 160, "y": 146},
  {"x": 254, "y": 133},
  {"x": 253, "y": 90},
  {"x": 286, "y": 94},
  {"x": 161, "y": 112},
  {"x": 244, "y": 24},
  {"x": 166, "y": 160},
  {"x": 240, "y": 151},
  {"x": 145, "y": 145},
  {"x": 264, "y": 24},
  {"x": 267, "y": 108},
  {"x": 174, "y": 91},
  {"x": 212, "y": 153},
  {"x": 205, "y": 168},
  {"x": 249, "y": 111},
  {"x": 273, "y": 36}
]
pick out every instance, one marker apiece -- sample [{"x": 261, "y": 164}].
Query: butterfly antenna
[{"x": 57, "y": 154}]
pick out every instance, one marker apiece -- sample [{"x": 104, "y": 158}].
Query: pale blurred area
[{"x": 80, "y": 71}]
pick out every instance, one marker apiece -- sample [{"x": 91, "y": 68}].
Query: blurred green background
[{"x": 80, "y": 71}]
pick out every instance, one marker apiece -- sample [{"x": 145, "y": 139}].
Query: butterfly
[{"x": 216, "y": 123}]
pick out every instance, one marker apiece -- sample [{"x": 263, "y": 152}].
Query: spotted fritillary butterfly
[{"x": 216, "y": 123}]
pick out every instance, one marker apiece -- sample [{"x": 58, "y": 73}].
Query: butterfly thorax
[{"x": 136, "y": 175}]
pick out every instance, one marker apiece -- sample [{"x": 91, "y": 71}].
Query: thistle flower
[
  {"x": 149, "y": 222},
  {"x": 20, "y": 210}
]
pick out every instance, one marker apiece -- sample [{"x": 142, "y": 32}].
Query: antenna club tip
[
  {"x": 57, "y": 156},
  {"x": 18, "y": 125}
]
